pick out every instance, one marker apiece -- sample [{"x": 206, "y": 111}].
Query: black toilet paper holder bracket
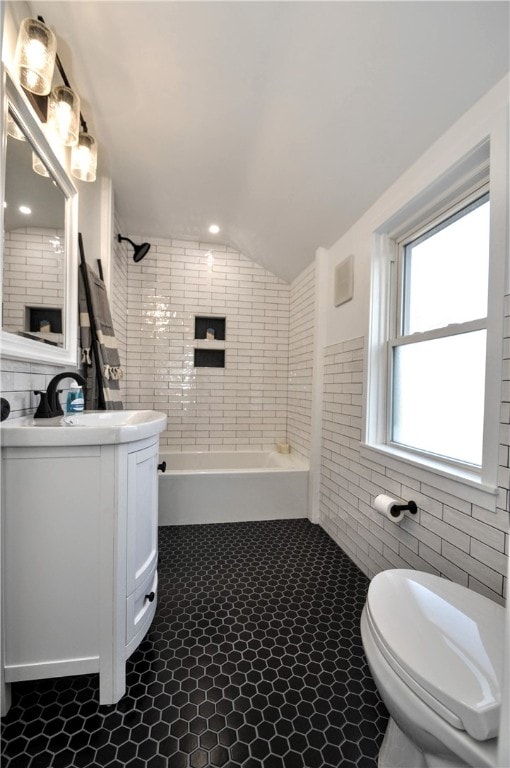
[{"x": 410, "y": 506}]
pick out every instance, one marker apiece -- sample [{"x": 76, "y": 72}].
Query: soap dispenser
[{"x": 75, "y": 401}]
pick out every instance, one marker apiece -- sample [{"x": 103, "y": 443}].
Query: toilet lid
[{"x": 445, "y": 641}]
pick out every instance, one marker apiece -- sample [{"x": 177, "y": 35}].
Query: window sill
[{"x": 463, "y": 484}]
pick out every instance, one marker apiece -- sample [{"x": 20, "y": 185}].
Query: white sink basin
[
  {"x": 107, "y": 418},
  {"x": 87, "y": 428}
]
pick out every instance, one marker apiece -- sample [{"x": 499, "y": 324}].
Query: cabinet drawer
[{"x": 141, "y": 606}]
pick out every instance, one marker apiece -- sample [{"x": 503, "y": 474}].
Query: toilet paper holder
[{"x": 410, "y": 506}]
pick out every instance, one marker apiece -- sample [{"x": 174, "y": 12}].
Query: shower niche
[
  {"x": 44, "y": 324},
  {"x": 209, "y": 349},
  {"x": 210, "y": 328}
]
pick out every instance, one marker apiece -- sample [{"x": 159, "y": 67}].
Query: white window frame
[
  {"x": 398, "y": 338},
  {"x": 465, "y": 181}
]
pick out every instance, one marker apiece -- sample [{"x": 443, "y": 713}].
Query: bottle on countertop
[{"x": 75, "y": 401}]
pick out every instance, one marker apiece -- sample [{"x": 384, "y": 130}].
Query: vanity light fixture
[
  {"x": 62, "y": 108},
  {"x": 84, "y": 158},
  {"x": 38, "y": 165},
  {"x": 13, "y": 128},
  {"x": 64, "y": 114},
  {"x": 56, "y": 242},
  {"x": 36, "y": 50},
  {"x": 140, "y": 250}
]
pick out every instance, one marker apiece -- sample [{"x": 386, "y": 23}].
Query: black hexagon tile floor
[{"x": 254, "y": 659}]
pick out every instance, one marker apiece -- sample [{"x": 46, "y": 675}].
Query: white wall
[
  {"x": 95, "y": 222},
  {"x": 352, "y": 319},
  {"x": 460, "y": 534},
  {"x": 301, "y": 359}
]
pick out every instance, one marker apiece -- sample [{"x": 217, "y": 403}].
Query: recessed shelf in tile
[
  {"x": 215, "y": 326},
  {"x": 209, "y": 358},
  {"x": 43, "y": 318}
]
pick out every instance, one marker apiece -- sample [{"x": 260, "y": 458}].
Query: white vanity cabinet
[
  {"x": 79, "y": 558},
  {"x": 142, "y": 542}
]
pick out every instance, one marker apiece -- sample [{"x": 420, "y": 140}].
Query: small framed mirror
[{"x": 39, "y": 264}]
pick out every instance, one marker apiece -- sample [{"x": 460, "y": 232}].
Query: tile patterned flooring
[{"x": 254, "y": 660}]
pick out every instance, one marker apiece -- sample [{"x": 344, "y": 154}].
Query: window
[
  {"x": 439, "y": 248},
  {"x": 437, "y": 347}
]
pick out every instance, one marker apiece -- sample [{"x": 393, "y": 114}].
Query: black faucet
[{"x": 49, "y": 405}]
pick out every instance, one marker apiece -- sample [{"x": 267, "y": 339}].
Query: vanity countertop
[{"x": 87, "y": 428}]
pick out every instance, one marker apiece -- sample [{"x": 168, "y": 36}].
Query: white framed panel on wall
[{"x": 344, "y": 281}]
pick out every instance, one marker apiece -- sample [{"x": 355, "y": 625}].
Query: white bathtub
[{"x": 216, "y": 487}]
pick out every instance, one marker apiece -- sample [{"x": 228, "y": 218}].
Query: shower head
[{"x": 140, "y": 250}]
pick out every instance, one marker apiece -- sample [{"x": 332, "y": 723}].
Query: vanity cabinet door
[
  {"x": 142, "y": 517},
  {"x": 50, "y": 561}
]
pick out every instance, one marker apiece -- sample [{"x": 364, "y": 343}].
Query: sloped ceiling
[{"x": 280, "y": 121}]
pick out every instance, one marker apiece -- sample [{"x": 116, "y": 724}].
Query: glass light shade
[
  {"x": 35, "y": 56},
  {"x": 64, "y": 115},
  {"x": 84, "y": 158},
  {"x": 38, "y": 165},
  {"x": 13, "y": 128}
]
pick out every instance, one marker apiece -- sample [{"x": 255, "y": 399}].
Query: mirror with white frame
[{"x": 39, "y": 265}]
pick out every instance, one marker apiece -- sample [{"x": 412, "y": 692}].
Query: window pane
[
  {"x": 438, "y": 396},
  {"x": 446, "y": 271}
]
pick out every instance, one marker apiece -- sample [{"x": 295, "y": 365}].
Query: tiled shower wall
[
  {"x": 118, "y": 302},
  {"x": 242, "y": 406},
  {"x": 263, "y": 394},
  {"x": 33, "y": 274},
  {"x": 451, "y": 537},
  {"x": 301, "y": 348}
]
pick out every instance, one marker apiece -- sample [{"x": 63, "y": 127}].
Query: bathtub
[{"x": 217, "y": 487}]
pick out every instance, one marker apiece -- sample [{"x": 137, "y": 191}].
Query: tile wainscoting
[{"x": 451, "y": 537}]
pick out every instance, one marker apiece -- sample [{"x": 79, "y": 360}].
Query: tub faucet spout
[{"x": 52, "y": 391}]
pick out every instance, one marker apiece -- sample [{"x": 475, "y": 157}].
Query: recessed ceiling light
[
  {"x": 25, "y": 209},
  {"x": 214, "y": 229}
]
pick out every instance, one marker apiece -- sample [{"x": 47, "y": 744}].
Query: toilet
[{"x": 435, "y": 650}]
